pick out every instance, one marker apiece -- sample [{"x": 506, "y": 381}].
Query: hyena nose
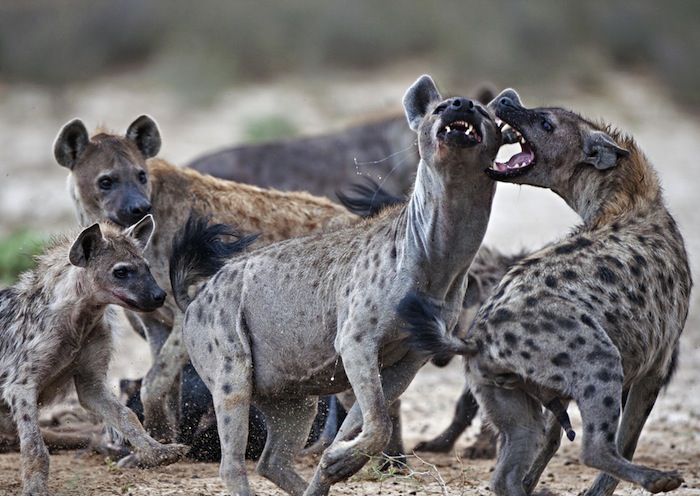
[
  {"x": 462, "y": 104},
  {"x": 141, "y": 209},
  {"x": 506, "y": 102},
  {"x": 158, "y": 296}
]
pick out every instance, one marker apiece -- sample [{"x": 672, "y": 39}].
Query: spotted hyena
[
  {"x": 119, "y": 178},
  {"x": 309, "y": 316},
  {"x": 594, "y": 318},
  {"x": 56, "y": 327}
]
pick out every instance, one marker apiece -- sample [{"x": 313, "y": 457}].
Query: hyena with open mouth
[{"x": 594, "y": 318}]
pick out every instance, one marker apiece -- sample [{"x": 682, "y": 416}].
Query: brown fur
[{"x": 171, "y": 194}]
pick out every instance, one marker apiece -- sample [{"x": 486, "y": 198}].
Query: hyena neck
[
  {"x": 446, "y": 220},
  {"x": 631, "y": 188}
]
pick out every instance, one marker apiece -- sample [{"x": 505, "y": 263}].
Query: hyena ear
[
  {"x": 144, "y": 133},
  {"x": 142, "y": 231},
  {"x": 418, "y": 100},
  {"x": 70, "y": 143},
  {"x": 84, "y": 244},
  {"x": 484, "y": 93},
  {"x": 601, "y": 151}
]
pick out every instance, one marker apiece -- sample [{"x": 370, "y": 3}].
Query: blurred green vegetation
[
  {"x": 209, "y": 44},
  {"x": 269, "y": 128},
  {"x": 17, "y": 253}
]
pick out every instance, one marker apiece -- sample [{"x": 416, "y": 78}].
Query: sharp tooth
[{"x": 448, "y": 129}]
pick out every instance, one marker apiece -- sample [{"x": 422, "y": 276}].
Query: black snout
[
  {"x": 506, "y": 102},
  {"x": 464, "y": 104},
  {"x": 141, "y": 208},
  {"x": 158, "y": 296},
  {"x": 134, "y": 211}
]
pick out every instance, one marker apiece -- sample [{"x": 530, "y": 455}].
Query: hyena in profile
[
  {"x": 595, "y": 318},
  {"x": 56, "y": 331}
]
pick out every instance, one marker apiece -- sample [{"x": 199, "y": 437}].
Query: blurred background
[{"x": 215, "y": 73}]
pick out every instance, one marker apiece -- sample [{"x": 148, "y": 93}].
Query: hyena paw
[
  {"x": 666, "y": 481},
  {"x": 154, "y": 457}
]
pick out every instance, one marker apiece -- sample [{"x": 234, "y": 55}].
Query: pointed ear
[
  {"x": 142, "y": 231},
  {"x": 418, "y": 99},
  {"x": 84, "y": 244},
  {"x": 144, "y": 133},
  {"x": 601, "y": 151},
  {"x": 70, "y": 143}
]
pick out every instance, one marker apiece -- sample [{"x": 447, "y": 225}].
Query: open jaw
[
  {"x": 460, "y": 133},
  {"x": 515, "y": 156}
]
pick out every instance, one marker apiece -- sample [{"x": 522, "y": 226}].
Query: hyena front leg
[
  {"x": 34, "y": 454},
  {"x": 95, "y": 396}
]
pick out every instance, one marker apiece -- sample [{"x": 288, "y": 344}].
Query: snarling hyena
[
  {"x": 56, "y": 331},
  {"x": 312, "y": 315},
  {"x": 111, "y": 177},
  {"x": 595, "y": 318}
]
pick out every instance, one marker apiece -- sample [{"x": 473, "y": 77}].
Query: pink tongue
[{"x": 518, "y": 159}]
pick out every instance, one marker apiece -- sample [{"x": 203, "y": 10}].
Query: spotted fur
[
  {"x": 283, "y": 324},
  {"x": 56, "y": 332},
  {"x": 115, "y": 177},
  {"x": 594, "y": 318}
]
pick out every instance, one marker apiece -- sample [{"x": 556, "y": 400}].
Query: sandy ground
[{"x": 32, "y": 193}]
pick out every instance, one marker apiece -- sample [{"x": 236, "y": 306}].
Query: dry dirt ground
[{"x": 32, "y": 193}]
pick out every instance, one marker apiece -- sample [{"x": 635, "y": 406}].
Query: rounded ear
[
  {"x": 142, "y": 231},
  {"x": 601, "y": 150},
  {"x": 484, "y": 93},
  {"x": 70, "y": 143},
  {"x": 84, "y": 244},
  {"x": 145, "y": 135},
  {"x": 418, "y": 100}
]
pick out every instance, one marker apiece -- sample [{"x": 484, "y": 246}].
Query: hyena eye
[
  {"x": 142, "y": 177},
  {"x": 547, "y": 126},
  {"x": 105, "y": 182},
  {"x": 120, "y": 272}
]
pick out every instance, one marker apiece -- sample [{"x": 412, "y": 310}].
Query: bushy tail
[
  {"x": 370, "y": 200},
  {"x": 199, "y": 252},
  {"x": 428, "y": 329}
]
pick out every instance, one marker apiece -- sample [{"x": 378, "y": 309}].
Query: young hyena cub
[
  {"x": 595, "y": 318},
  {"x": 56, "y": 330}
]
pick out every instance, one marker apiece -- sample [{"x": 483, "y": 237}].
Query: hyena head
[
  {"x": 108, "y": 174},
  {"x": 451, "y": 133},
  {"x": 116, "y": 270},
  {"x": 550, "y": 144}
]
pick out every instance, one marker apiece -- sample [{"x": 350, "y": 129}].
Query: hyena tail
[
  {"x": 370, "y": 200},
  {"x": 428, "y": 330},
  {"x": 199, "y": 252}
]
